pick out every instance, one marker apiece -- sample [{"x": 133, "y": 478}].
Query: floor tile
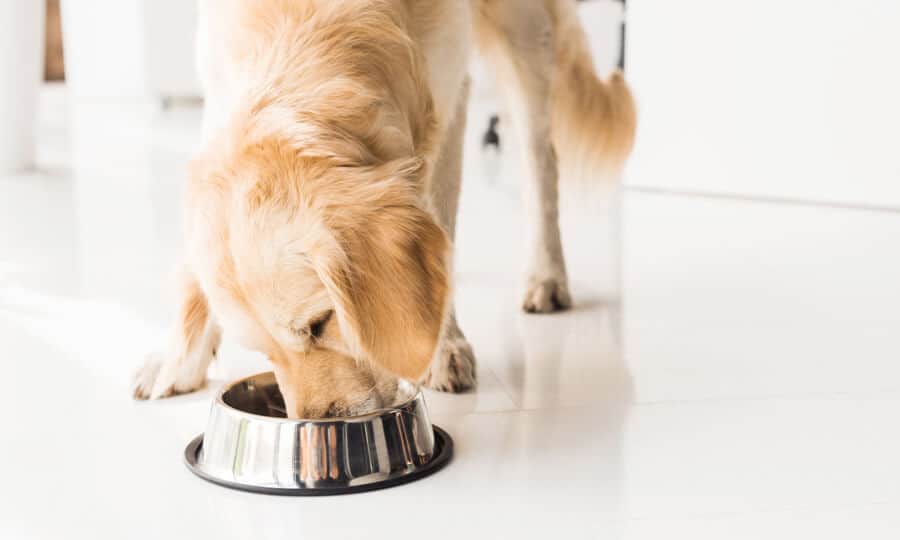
[
  {"x": 741, "y": 456},
  {"x": 873, "y": 522},
  {"x": 729, "y": 298}
]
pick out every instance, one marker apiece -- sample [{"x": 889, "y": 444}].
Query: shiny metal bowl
[{"x": 249, "y": 444}]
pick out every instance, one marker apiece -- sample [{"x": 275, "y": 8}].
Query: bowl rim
[{"x": 405, "y": 406}]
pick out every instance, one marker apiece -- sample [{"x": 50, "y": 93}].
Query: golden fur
[
  {"x": 592, "y": 121},
  {"x": 315, "y": 231}
]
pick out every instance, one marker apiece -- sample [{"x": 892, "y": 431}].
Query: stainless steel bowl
[{"x": 250, "y": 445}]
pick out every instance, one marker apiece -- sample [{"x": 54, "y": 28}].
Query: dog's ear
[{"x": 390, "y": 285}]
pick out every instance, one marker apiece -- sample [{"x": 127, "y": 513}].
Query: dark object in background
[
  {"x": 491, "y": 137},
  {"x": 622, "y": 40},
  {"x": 54, "y": 66}
]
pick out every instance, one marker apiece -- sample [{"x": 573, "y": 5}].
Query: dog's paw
[
  {"x": 160, "y": 378},
  {"x": 547, "y": 295},
  {"x": 143, "y": 379},
  {"x": 453, "y": 368}
]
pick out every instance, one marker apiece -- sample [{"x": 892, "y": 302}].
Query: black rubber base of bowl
[{"x": 443, "y": 452}]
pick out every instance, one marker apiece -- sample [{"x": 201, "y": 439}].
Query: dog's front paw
[
  {"x": 453, "y": 368},
  {"x": 143, "y": 379},
  {"x": 546, "y": 295},
  {"x": 161, "y": 378}
]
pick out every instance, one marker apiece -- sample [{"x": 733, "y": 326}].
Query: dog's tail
[{"x": 593, "y": 120}]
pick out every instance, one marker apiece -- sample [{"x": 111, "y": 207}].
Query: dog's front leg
[
  {"x": 453, "y": 366},
  {"x": 516, "y": 38},
  {"x": 181, "y": 366}
]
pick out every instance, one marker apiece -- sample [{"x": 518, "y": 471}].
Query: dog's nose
[{"x": 337, "y": 409}]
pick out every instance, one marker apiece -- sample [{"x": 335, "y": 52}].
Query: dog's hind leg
[
  {"x": 453, "y": 366},
  {"x": 182, "y": 366},
  {"x": 516, "y": 39}
]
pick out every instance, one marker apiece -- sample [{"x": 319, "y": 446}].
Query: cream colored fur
[{"x": 321, "y": 210}]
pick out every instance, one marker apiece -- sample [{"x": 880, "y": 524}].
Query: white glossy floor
[{"x": 730, "y": 370}]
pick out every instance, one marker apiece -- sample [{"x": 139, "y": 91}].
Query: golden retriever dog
[{"x": 320, "y": 212}]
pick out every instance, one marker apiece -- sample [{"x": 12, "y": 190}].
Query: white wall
[
  {"x": 791, "y": 99},
  {"x": 21, "y": 70},
  {"x": 130, "y": 48},
  {"x": 602, "y": 20}
]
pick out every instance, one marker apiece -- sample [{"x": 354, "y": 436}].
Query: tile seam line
[
  {"x": 806, "y": 396},
  {"x": 766, "y": 511},
  {"x": 763, "y": 199},
  {"x": 518, "y": 406}
]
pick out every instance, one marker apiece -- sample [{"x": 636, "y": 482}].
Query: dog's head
[
  {"x": 306, "y": 224},
  {"x": 336, "y": 272}
]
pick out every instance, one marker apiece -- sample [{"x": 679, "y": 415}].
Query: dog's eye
[{"x": 317, "y": 327}]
